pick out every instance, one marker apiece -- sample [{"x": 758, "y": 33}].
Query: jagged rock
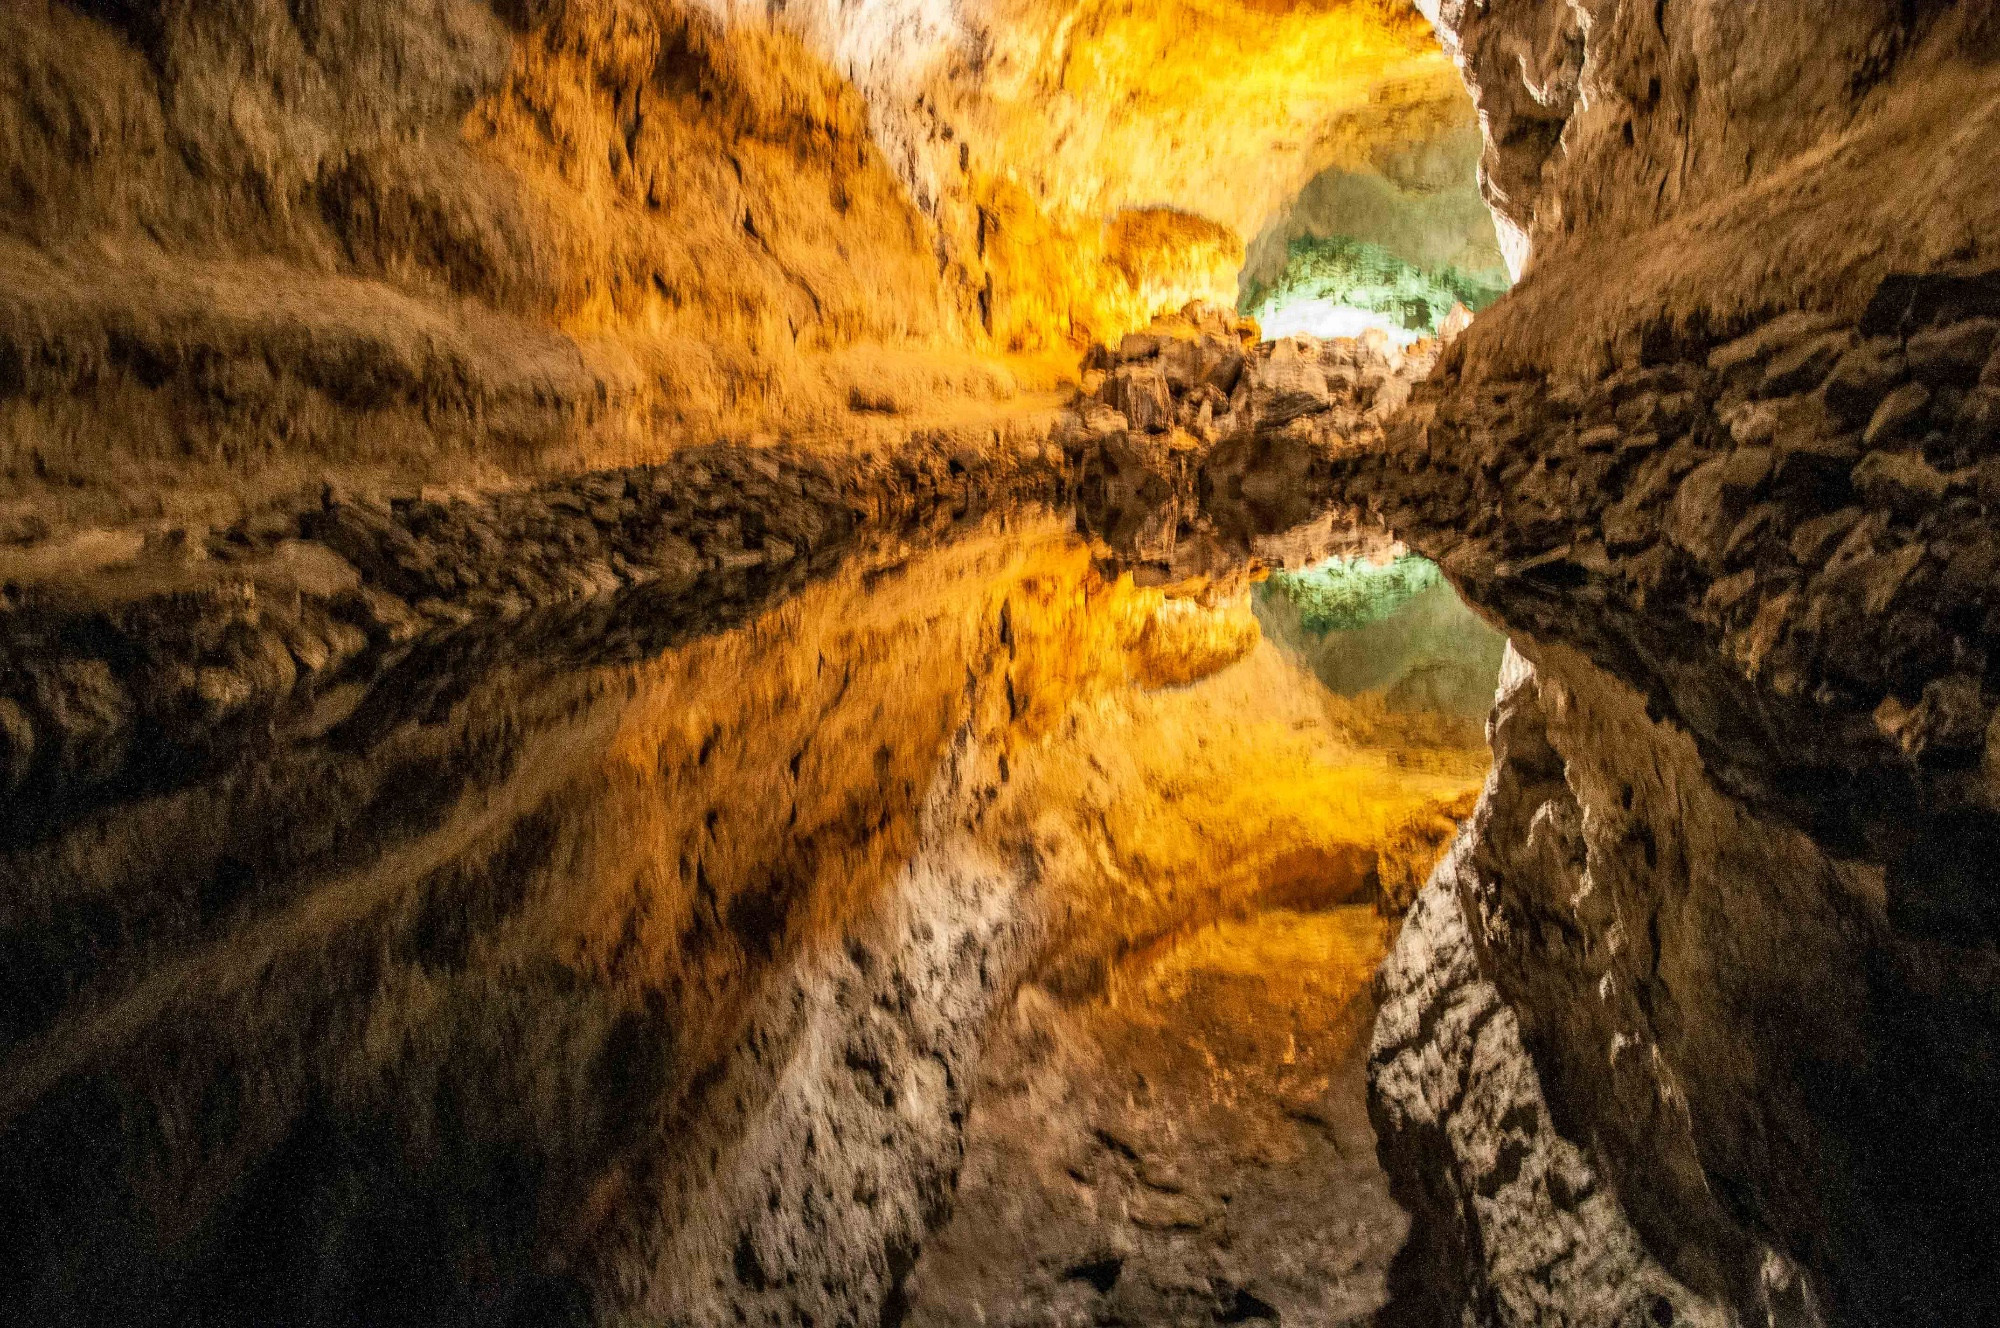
[
  {"x": 1242, "y": 438},
  {"x": 1951, "y": 718},
  {"x": 1141, "y": 393},
  {"x": 1722, "y": 886},
  {"x": 1285, "y": 387},
  {"x": 1180, "y": 361},
  {"x": 1712, "y": 499},
  {"x": 1805, "y": 625},
  {"x": 1899, "y": 415},
  {"x": 1953, "y": 354},
  {"x": 1221, "y": 364},
  {"x": 1513, "y": 1226},
  {"x": 1816, "y": 538},
  {"x": 1979, "y": 416},
  {"x": 1803, "y": 367},
  {"x": 1747, "y": 355},
  {"x": 1903, "y": 482},
  {"x": 1864, "y": 376}
]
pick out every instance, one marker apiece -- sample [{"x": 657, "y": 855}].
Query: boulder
[
  {"x": 1903, "y": 482},
  {"x": 1865, "y": 375},
  {"x": 1747, "y": 355},
  {"x": 1140, "y": 393},
  {"x": 1803, "y": 367},
  {"x": 1901, "y": 414},
  {"x": 1712, "y": 499},
  {"x": 1285, "y": 388},
  {"x": 1953, "y": 354}
]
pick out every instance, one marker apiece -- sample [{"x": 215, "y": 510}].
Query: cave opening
[{"x": 1394, "y": 243}]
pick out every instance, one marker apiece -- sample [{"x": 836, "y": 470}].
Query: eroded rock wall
[
  {"x": 1513, "y": 1223},
  {"x": 467, "y": 242},
  {"x": 1705, "y": 164},
  {"x": 247, "y": 246},
  {"x": 1715, "y": 467}
]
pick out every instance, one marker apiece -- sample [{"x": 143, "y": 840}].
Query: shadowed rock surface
[
  {"x": 1732, "y": 875},
  {"x": 548, "y": 775}
]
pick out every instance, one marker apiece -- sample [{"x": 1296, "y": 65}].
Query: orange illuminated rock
[{"x": 459, "y": 243}]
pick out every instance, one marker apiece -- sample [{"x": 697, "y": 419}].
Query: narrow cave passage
[{"x": 699, "y": 664}]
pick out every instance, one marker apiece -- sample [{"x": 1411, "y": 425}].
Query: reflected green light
[
  {"x": 1394, "y": 629},
  {"x": 1346, "y": 593}
]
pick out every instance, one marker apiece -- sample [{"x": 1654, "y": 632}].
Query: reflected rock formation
[{"x": 556, "y": 972}]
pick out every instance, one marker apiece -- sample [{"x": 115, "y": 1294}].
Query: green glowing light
[
  {"x": 1346, "y": 593},
  {"x": 1341, "y": 281}
]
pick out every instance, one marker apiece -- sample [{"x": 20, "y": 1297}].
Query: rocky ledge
[
  {"x": 1200, "y": 449},
  {"x": 1733, "y": 873},
  {"x": 1810, "y": 501},
  {"x": 195, "y": 642}
]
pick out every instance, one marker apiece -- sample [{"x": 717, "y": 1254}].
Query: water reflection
[
  {"x": 1392, "y": 627},
  {"x": 635, "y": 960},
  {"x": 449, "y": 998}
]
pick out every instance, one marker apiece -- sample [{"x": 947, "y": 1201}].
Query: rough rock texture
[
  {"x": 244, "y": 246},
  {"x": 120, "y": 654},
  {"x": 1715, "y": 466},
  {"x": 474, "y": 240},
  {"x": 1701, "y": 162},
  {"x": 1764, "y": 607},
  {"x": 1194, "y": 1152},
  {"x": 1514, "y": 1226},
  {"x": 1203, "y": 451}
]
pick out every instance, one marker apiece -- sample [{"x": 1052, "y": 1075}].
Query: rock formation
[
  {"x": 555, "y": 767},
  {"x": 1729, "y": 509},
  {"x": 1515, "y": 1226},
  {"x": 1202, "y": 451}
]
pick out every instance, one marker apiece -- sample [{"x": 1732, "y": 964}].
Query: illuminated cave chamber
[
  {"x": 600, "y": 600},
  {"x": 1394, "y": 246},
  {"x": 1394, "y": 629}
]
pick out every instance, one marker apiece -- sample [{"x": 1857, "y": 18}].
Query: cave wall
[
  {"x": 1714, "y": 466},
  {"x": 246, "y": 246},
  {"x": 1516, "y": 1224},
  {"x": 463, "y": 241},
  {"x": 1700, "y": 165}
]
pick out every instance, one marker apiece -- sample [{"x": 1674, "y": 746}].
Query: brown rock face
[
  {"x": 1806, "y": 635},
  {"x": 1517, "y": 1226},
  {"x": 1203, "y": 450},
  {"x": 1715, "y": 466}
]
